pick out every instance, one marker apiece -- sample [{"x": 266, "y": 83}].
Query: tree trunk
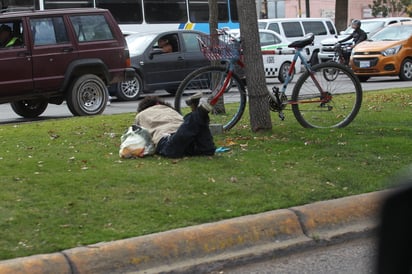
[
  {"x": 341, "y": 14},
  {"x": 255, "y": 76}
]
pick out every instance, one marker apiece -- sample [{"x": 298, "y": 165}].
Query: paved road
[
  {"x": 355, "y": 256},
  {"x": 61, "y": 111}
]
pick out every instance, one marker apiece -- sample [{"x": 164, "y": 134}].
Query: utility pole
[{"x": 307, "y": 8}]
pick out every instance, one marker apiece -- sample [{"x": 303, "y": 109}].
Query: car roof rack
[{"x": 17, "y": 9}]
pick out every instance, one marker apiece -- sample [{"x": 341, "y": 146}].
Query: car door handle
[
  {"x": 23, "y": 53},
  {"x": 180, "y": 58},
  {"x": 67, "y": 49}
]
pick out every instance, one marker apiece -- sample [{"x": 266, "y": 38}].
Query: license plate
[{"x": 364, "y": 64}]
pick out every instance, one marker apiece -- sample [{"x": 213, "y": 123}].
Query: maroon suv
[{"x": 67, "y": 55}]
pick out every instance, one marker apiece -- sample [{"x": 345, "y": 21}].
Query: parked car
[
  {"x": 370, "y": 26},
  {"x": 387, "y": 53},
  {"x": 67, "y": 55},
  {"x": 156, "y": 70},
  {"x": 277, "y": 56},
  {"x": 296, "y": 28}
]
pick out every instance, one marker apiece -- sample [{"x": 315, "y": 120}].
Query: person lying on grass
[{"x": 176, "y": 136}]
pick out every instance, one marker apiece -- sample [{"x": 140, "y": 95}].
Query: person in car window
[
  {"x": 165, "y": 45},
  {"x": 176, "y": 136},
  {"x": 7, "y": 39}
]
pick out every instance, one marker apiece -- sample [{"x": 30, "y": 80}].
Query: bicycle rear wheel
[
  {"x": 209, "y": 80},
  {"x": 337, "y": 107}
]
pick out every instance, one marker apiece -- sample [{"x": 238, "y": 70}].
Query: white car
[{"x": 277, "y": 56}]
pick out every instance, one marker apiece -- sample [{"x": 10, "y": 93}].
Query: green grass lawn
[{"x": 63, "y": 184}]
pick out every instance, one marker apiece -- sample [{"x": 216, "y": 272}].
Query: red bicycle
[{"x": 326, "y": 95}]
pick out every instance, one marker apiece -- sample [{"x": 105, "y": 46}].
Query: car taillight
[{"x": 128, "y": 63}]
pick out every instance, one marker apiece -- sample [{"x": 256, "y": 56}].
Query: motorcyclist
[{"x": 358, "y": 35}]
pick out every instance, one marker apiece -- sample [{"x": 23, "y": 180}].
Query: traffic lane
[
  {"x": 7, "y": 115},
  {"x": 351, "y": 256}
]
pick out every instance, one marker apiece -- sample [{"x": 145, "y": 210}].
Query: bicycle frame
[
  {"x": 230, "y": 71},
  {"x": 298, "y": 54}
]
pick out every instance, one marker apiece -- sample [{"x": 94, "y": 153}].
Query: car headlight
[{"x": 391, "y": 51}]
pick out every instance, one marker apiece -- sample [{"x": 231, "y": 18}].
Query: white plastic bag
[{"x": 136, "y": 142}]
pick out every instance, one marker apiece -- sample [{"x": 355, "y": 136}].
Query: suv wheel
[
  {"x": 29, "y": 108},
  {"x": 130, "y": 90},
  {"x": 406, "y": 70},
  {"x": 88, "y": 95}
]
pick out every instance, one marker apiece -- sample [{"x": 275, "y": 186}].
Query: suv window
[
  {"x": 11, "y": 34},
  {"x": 330, "y": 27},
  {"x": 48, "y": 31},
  {"x": 316, "y": 27},
  {"x": 91, "y": 28},
  {"x": 292, "y": 29},
  {"x": 274, "y": 27}
]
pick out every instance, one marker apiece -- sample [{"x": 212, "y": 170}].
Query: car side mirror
[{"x": 155, "y": 52}]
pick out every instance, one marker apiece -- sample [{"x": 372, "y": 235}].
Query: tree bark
[
  {"x": 255, "y": 76},
  {"x": 341, "y": 14}
]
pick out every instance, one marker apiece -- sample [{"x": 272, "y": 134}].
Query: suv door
[
  {"x": 97, "y": 42},
  {"x": 52, "y": 52},
  {"x": 16, "y": 63}
]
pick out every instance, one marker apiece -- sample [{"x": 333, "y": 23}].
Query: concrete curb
[{"x": 199, "y": 247}]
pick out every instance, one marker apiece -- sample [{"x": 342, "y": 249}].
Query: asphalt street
[{"x": 61, "y": 111}]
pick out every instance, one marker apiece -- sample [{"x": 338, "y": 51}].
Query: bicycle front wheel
[
  {"x": 329, "y": 96},
  {"x": 209, "y": 80}
]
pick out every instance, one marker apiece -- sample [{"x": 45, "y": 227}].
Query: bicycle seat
[{"x": 307, "y": 40}]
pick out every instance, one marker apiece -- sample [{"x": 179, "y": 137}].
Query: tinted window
[
  {"x": 233, "y": 11},
  {"x": 330, "y": 27},
  {"x": 50, "y": 4},
  {"x": 48, "y": 31},
  {"x": 262, "y": 25},
  {"x": 91, "y": 28},
  {"x": 191, "y": 42},
  {"x": 165, "y": 11},
  {"x": 292, "y": 29},
  {"x": 275, "y": 27},
  {"x": 199, "y": 11},
  {"x": 15, "y": 34},
  {"x": 316, "y": 27},
  {"x": 125, "y": 11}
]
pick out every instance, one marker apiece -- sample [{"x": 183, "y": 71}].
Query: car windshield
[
  {"x": 367, "y": 26},
  {"x": 393, "y": 33},
  {"x": 137, "y": 43}
]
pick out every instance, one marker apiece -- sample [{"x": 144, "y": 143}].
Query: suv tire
[
  {"x": 87, "y": 95},
  {"x": 29, "y": 108},
  {"x": 130, "y": 90}
]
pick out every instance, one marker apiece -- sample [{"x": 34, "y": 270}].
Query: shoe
[
  {"x": 193, "y": 101},
  {"x": 206, "y": 107}
]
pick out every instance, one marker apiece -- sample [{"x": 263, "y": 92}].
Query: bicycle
[
  {"x": 340, "y": 56},
  {"x": 316, "y": 101}
]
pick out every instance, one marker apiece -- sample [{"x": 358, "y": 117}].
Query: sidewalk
[{"x": 207, "y": 247}]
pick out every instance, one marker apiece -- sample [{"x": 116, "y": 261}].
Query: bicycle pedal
[{"x": 281, "y": 116}]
